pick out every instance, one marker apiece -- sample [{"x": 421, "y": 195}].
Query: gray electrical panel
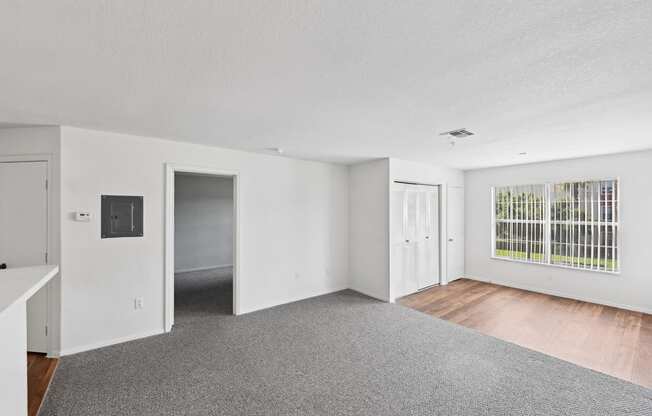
[{"x": 122, "y": 216}]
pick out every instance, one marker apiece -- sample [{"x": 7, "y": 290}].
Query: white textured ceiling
[{"x": 339, "y": 80}]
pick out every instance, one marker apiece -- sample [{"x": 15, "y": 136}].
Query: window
[
  {"x": 520, "y": 223},
  {"x": 570, "y": 224}
]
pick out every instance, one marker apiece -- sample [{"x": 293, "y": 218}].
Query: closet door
[
  {"x": 428, "y": 253},
  {"x": 399, "y": 248},
  {"x": 412, "y": 238},
  {"x": 415, "y": 237},
  {"x": 403, "y": 225},
  {"x": 421, "y": 254}
]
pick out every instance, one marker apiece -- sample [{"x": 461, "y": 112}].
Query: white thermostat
[{"x": 82, "y": 216}]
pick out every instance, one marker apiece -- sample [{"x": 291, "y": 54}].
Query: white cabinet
[{"x": 415, "y": 234}]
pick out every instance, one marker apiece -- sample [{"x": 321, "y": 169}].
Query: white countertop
[{"x": 19, "y": 284}]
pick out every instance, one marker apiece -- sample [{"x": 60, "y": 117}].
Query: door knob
[
  {"x": 3, "y": 266},
  {"x": 407, "y": 241},
  {"x": 427, "y": 237},
  {"x": 450, "y": 239}
]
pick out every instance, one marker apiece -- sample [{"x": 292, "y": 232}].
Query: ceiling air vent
[{"x": 458, "y": 133}]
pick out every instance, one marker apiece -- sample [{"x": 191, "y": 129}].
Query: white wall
[
  {"x": 26, "y": 141},
  {"x": 631, "y": 289},
  {"x": 407, "y": 171},
  {"x": 369, "y": 228},
  {"x": 293, "y": 231},
  {"x": 369, "y": 213},
  {"x": 203, "y": 222}
]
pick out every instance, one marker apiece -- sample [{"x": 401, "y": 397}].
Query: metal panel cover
[{"x": 122, "y": 216}]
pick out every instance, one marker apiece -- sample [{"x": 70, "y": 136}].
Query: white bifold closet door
[{"x": 415, "y": 235}]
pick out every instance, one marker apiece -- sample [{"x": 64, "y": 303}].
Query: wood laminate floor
[
  {"x": 40, "y": 370},
  {"x": 610, "y": 340}
]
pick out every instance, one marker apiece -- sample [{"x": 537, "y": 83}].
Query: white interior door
[
  {"x": 455, "y": 230},
  {"x": 23, "y": 240}
]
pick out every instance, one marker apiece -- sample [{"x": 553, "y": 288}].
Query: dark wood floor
[
  {"x": 40, "y": 370},
  {"x": 605, "y": 339}
]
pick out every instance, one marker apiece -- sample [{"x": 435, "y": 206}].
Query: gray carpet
[
  {"x": 202, "y": 294},
  {"x": 339, "y": 354}
]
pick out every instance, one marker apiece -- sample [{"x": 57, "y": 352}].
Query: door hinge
[
  {"x": 46, "y": 330},
  {"x": 46, "y": 257},
  {"x": 46, "y": 184}
]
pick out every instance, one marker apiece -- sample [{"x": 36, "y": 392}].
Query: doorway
[
  {"x": 201, "y": 244},
  {"x": 24, "y": 236},
  {"x": 415, "y": 230}
]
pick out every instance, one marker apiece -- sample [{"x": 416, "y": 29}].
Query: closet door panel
[
  {"x": 415, "y": 237},
  {"x": 402, "y": 244},
  {"x": 398, "y": 235},
  {"x": 412, "y": 231},
  {"x": 430, "y": 238},
  {"x": 421, "y": 243},
  {"x": 434, "y": 236}
]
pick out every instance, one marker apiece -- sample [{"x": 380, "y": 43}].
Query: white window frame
[{"x": 548, "y": 240}]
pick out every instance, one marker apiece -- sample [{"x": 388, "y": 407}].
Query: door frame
[
  {"x": 170, "y": 170},
  {"x": 52, "y": 300}
]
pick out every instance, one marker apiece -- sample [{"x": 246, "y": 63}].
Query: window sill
[{"x": 558, "y": 266}]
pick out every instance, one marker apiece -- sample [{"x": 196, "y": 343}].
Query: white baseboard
[
  {"x": 106, "y": 343},
  {"x": 371, "y": 294},
  {"x": 325, "y": 291},
  {"x": 198, "y": 269},
  {"x": 454, "y": 279},
  {"x": 560, "y": 294}
]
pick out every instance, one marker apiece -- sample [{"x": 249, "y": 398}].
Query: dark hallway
[{"x": 201, "y": 293}]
